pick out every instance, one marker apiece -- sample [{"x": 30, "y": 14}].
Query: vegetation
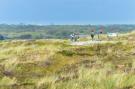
[
  {"x": 22, "y": 31},
  {"x": 55, "y": 64}
]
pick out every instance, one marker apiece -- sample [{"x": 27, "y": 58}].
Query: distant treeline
[{"x": 55, "y": 31}]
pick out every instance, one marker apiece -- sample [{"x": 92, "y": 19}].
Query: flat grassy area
[{"x": 55, "y": 64}]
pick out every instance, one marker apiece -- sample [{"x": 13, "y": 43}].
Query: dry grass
[{"x": 54, "y": 64}]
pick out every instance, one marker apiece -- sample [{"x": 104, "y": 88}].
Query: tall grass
[{"x": 55, "y": 64}]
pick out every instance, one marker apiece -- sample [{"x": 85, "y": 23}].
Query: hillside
[{"x": 56, "y": 64}]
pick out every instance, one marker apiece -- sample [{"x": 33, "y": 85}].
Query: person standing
[
  {"x": 99, "y": 34},
  {"x": 92, "y": 34},
  {"x": 77, "y": 36},
  {"x": 72, "y": 37}
]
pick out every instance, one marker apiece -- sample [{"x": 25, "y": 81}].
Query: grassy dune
[{"x": 55, "y": 64}]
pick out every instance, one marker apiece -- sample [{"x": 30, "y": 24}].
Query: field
[{"x": 55, "y": 64}]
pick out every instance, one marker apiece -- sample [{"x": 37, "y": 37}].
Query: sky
[{"x": 67, "y": 11}]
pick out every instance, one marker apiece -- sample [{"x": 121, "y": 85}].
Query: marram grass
[{"x": 55, "y": 64}]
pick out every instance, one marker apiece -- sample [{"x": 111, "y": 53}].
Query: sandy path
[{"x": 92, "y": 42}]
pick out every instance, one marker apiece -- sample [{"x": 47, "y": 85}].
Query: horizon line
[{"x": 64, "y": 24}]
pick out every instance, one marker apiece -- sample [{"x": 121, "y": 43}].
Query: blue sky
[{"x": 67, "y": 11}]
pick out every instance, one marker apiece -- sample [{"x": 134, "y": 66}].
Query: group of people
[
  {"x": 93, "y": 33},
  {"x": 75, "y": 36}
]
